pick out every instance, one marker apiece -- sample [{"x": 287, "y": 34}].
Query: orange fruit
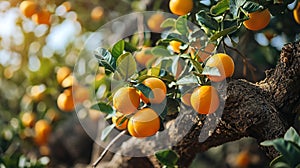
[
  {"x": 258, "y": 20},
  {"x": 225, "y": 65},
  {"x": 155, "y": 21},
  {"x": 181, "y": 7},
  {"x": 175, "y": 46},
  {"x": 68, "y": 81},
  {"x": 37, "y": 92},
  {"x": 186, "y": 99},
  {"x": 42, "y": 130},
  {"x": 296, "y": 13},
  {"x": 97, "y": 13},
  {"x": 144, "y": 123},
  {"x": 144, "y": 56},
  {"x": 28, "y": 8},
  {"x": 42, "y": 17},
  {"x": 205, "y": 99},
  {"x": 117, "y": 119},
  {"x": 158, "y": 88},
  {"x": 62, "y": 73},
  {"x": 65, "y": 101},
  {"x": 243, "y": 159},
  {"x": 28, "y": 119},
  {"x": 126, "y": 100}
]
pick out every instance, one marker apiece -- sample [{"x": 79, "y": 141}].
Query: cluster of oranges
[
  {"x": 34, "y": 11},
  {"x": 38, "y": 129},
  {"x": 65, "y": 78},
  {"x": 139, "y": 121}
]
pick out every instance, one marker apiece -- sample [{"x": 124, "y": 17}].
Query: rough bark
[{"x": 263, "y": 110}]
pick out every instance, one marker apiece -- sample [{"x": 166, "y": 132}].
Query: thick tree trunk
[{"x": 264, "y": 110}]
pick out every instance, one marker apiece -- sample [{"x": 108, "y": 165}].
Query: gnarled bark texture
[{"x": 263, "y": 110}]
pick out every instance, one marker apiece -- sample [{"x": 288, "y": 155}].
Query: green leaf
[
  {"x": 145, "y": 90},
  {"x": 105, "y": 59},
  {"x": 235, "y": 6},
  {"x": 126, "y": 67},
  {"x": 167, "y": 157},
  {"x": 181, "y": 25},
  {"x": 205, "y": 20},
  {"x": 288, "y": 149},
  {"x": 177, "y": 37},
  {"x": 105, "y": 132},
  {"x": 103, "y": 107},
  {"x": 281, "y": 165},
  {"x": 298, "y": 166},
  {"x": 220, "y": 7},
  {"x": 277, "y": 160},
  {"x": 213, "y": 71},
  {"x": 118, "y": 49},
  {"x": 292, "y": 135},
  {"x": 223, "y": 33},
  {"x": 170, "y": 22},
  {"x": 160, "y": 51},
  {"x": 250, "y": 6},
  {"x": 187, "y": 80},
  {"x": 129, "y": 47}
]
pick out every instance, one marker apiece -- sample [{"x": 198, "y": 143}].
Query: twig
[
  {"x": 245, "y": 60},
  {"x": 107, "y": 148}
]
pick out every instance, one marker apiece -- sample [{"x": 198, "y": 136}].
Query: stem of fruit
[{"x": 107, "y": 148}]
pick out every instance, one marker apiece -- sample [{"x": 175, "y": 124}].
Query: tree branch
[{"x": 263, "y": 111}]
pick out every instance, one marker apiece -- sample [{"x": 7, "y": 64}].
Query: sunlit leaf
[
  {"x": 105, "y": 59},
  {"x": 220, "y": 7},
  {"x": 170, "y": 22},
  {"x": 118, "y": 49},
  {"x": 186, "y": 80},
  {"x": 160, "y": 51},
  {"x": 250, "y": 6},
  {"x": 126, "y": 67},
  {"x": 103, "y": 107},
  {"x": 181, "y": 25},
  {"x": 235, "y": 6}
]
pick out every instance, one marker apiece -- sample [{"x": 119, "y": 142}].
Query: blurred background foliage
[{"x": 31, "y": 54}]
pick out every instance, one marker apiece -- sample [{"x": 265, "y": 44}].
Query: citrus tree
[
  {"x": 184, "y": 78},
  {"x": 174, "y": 87}
]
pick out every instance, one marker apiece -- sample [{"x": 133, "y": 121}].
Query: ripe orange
[
  {"x": 175, "y": 46},
  {"x": 205, "y": 99},
  {"x": 42, "y": 130},
  {"x": 181, "y": 7},
  {"x": 68, "y": 81},
  {"x": 62, "y": 73},
  {"x": 65, "y": 101},
  {"x": 225, "y": 65},
  {"x": 144, "y": 56},
  {"x": 158, "y": 88},
  {"x": 28, "y": 8},
  {"x": 186, "y": 99},
  {"x": 296, "y": 13},
  {"x": 97, "y": 13},
  {"x": 155, "y": 21},
  {"x": 42, "y": 17},
  {"x": 28, "y": 119},
  {"x": 258, "y": 20},
  {"x": 144, "y": 123},
  {"x": 37, "y": 92},
  {"x": 243, "y": 159},
  {"x": 117, "y": 119},
  {"x": 126, "y": 100}
]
